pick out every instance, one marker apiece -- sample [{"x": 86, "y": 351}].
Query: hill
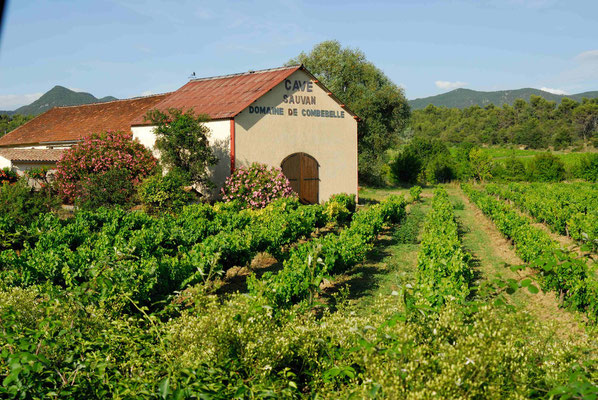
[
  {"x": 56, "y": 97},
  {"x": 463, "y": 98}
]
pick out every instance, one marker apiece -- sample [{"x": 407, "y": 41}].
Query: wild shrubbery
[
  {"x": 164, "y": 193},
  {"x": 546, "y": 167},
  {"x": 20, "y": 205},
  {"x": 424, "y": 161},
  {"x": 587, "y": 168},
  {"x": 117, "y": 304}
]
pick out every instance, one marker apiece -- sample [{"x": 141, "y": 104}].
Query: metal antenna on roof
[{"x": 192, "y": 76}]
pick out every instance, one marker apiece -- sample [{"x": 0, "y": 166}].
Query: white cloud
[
  {"x": 147, "y": 93},
  {"x": 204, "y": 13},
  {"x": 446, "y": 85},
  {"x": 582, "y": 72},
  {"x": 9, "y": 102},
  {"x": 553, "y": 91},
  {"x": 533, "y": 3},
  {"x": 587, "y": 56}
]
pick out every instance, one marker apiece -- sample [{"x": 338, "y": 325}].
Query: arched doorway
[{"x": 301, "y": 170}]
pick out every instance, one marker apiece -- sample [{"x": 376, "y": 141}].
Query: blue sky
[{"x": 131, "y": 48}]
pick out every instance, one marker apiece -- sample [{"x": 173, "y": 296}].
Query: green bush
[
  {"x": 21, "y": 204},
  {"x": 336, "y": 213},
  {"x": 440, "y": 169},
  {"x": 164, "y": 193},
  {"x": 514, "y": 169},
  {"x": 347, "y": 200},
  {"x": 415, "y": 192},
  {"x": 339, "y": 208},
  {"x": 405, "y": 167},
  {"x": 424, "y": 160},
  {"x": 546, "y": 167},
  {"x": 106, "y": 189},
  {"x": 587, "y": 168}
]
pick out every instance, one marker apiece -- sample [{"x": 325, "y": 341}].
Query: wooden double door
[{"x": 301, "y": 170}]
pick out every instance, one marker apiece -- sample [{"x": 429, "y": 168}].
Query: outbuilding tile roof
[
  {"x": 223, "y": 97},
  {"x": 219, "y": 97},
  {"x": 50, "y": 155},
  {"x": 76, "y": 122}
]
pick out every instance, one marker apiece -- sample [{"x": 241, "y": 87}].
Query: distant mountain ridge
[
  {"x": 58, "y": 96},
  {"x": 463, "y": 98}
]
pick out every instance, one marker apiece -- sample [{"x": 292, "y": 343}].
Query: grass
[
  {"x": 493, "y": 256},
  {"x": 500, "y": 154},
  {"x": 369, "y": 195},
  {"x": 393, "y": 261},
  {"x": 398, "y": 263}
]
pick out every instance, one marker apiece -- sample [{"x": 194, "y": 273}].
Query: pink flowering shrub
[
  {"x": 256, "y": 186},
  {"x": 97, "y": 155}
]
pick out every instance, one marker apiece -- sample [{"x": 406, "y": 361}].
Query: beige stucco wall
[
  {"x": 21, "y": 167},
  {"x": 146, "y": 136},
  {"x": 269, "y": 138},
  {"x": 43, "y": 146},
  {"x": 5, "y": 163},
  {"x": 219, "y": 140}
]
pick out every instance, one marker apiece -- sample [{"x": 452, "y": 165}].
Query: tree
[
  {"x": 481, "y": 164},
  {"x": 586, "y": 118},
  {"x": 9, "y": 123},
  {"x": 546, "y": 167},
  {"x": 369, "y": 93},
  {"x": 182, "y": 139},
  {"x": 427, "y": 160}
]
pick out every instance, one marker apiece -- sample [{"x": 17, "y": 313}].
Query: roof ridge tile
[{"x": 261, "y": 71}]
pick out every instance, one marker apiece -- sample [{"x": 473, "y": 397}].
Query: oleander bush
[
  {"x": 7, "y": 175},
  {"x": 80, "y": 171},
  {"x": 256, "y": 186}
]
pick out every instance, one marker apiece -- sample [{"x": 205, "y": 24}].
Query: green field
[
  {"x": 391, "y": 298},
  {"x": 501, "y": 153}
]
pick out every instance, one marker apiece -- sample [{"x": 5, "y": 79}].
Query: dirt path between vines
[{"x": 494, "y": 255}]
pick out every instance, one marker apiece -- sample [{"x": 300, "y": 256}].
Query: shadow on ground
[{"x": 362, "y": 279}]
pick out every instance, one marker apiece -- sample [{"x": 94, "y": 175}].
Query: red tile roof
[
  {"x": 219, "y": 97},
  {"x": 50, "y": 155},
  {"x": 223, "y": 96},
  {"x": 76, "y": 122}
]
